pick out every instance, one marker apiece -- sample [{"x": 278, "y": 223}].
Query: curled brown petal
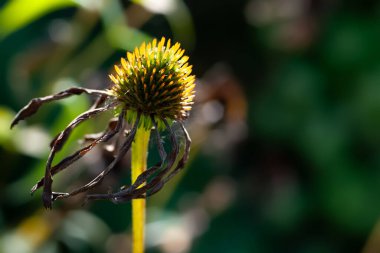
[
  {"x": 34, "y": 104},
  {"x": 99, "y": 178},
  {"x": 58, "y": 144},
  {"x": 113, "y": 128}
]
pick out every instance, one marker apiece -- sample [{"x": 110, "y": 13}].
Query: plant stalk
[{"x": 139, "y": 164}]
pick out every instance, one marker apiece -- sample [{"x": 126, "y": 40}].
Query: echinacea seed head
[{"x": 155, "y": 80}]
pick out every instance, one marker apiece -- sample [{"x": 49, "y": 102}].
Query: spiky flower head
[{"x": 155, "y": 80}]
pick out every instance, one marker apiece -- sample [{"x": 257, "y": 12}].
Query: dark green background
[{"x": 304, "y": 178}]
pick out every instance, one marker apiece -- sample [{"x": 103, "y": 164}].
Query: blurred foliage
[
  {"x": 286, "y": 129},
  {"x": 9, "y": 22}
]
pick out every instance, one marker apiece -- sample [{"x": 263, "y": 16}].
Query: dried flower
[{"x": 152, "y": 87}]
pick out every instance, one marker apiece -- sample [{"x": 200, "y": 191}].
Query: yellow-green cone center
[{"x": 155, "y": 80}]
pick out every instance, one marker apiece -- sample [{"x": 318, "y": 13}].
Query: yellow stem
[{"x": 139, "y": 164}]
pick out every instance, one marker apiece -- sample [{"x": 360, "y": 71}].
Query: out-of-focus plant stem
[{"x": 139, "y": 164}]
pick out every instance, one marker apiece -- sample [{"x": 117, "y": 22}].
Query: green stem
[{"x": 139, "y": 164}]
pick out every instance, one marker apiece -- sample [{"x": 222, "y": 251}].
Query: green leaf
[{"x": 19, "y": 13}]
